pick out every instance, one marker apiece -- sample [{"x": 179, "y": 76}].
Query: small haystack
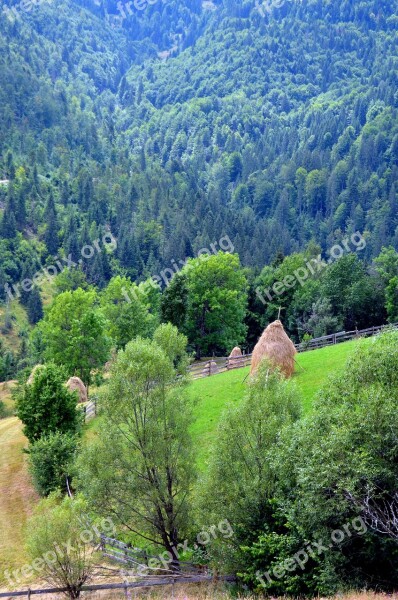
[
  {"x": 235, "y": 359},
  {"x": 275, "y": 346},
  {"x": 211, "y": 368},
  {"x": 33, "y": 373},
  {"x": 76, "y": 385}
]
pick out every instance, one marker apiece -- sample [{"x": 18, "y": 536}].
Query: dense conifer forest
[{"x": 171, "y": 126}]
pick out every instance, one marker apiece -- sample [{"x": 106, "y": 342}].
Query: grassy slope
[
  {"x": 20, "y": 322},
  {"x": 17, "y": 496},
  {"x": 214, "y": 394}
]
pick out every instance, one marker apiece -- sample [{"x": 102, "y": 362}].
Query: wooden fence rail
[
  {"x": 221, "y": 364},
  {"x": 90, "y": 410},
  {"x": 160, "y": 581},
  {"x": 136, "y": 557}
]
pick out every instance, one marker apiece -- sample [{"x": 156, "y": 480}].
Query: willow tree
[{"x": 140, "y": 468}]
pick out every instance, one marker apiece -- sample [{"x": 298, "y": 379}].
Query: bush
[
  {"x": 51, "y": 459},
  {"x": 63, "y": 531},
  {"x": 46, "y": 406},
  {"x": 240, "y": 482},
  {"x": 3, "y": 410}
]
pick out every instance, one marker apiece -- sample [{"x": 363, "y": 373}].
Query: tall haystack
[
  {"x": 76, "y": 385},
  {"x": 235, "y": 359},
  {"x": 275, "y": 346}
]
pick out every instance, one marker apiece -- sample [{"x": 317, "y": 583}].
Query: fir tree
[
  {"x": 35, "y": 307},
  {"x": 51, "y": 235}
]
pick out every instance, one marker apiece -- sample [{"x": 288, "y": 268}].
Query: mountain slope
[{"x": 177, "y": 125}]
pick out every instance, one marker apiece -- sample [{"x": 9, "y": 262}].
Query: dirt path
[{"x": 17, "y": 496}]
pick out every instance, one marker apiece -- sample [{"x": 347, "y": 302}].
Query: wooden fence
[
  {"x": 342, "y": 336},
  {"x": 138, "y": 560},
  {"x": 136, "y": 557},
  {"x": 90, "y": 410},
  {"x": 126, "y": 586},
  {"x": 221, "y": 364}
]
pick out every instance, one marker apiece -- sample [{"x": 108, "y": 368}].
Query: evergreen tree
[
  {"x": 51, "y": 235},
  {"x": 35, "y": 306},
  {"x": 9, "y": 223}
]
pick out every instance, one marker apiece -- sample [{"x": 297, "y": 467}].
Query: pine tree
[
  {"x": 95, "y": 271},
  {"x": 51, "y": 235},
  {"x": 35, "y": 307},
  {"x": 9, "y": 224}
]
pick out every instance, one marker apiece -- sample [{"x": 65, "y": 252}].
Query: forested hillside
[
  {"x": 176, "y": 124},
  {"x": 175, "y": 176}
]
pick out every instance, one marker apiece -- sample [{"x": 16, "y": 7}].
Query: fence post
[
  {"x": 127, "y": 591},
  {"x": 29, "y": 593}
]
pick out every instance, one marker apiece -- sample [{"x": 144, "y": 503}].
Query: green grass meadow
[{"x": 213, "y": 395}]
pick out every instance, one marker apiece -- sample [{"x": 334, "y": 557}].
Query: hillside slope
[
  {"x": 280, "y": 128},
  {"x": 213, "y": 395},
  {"x": 17, "y": 496}
]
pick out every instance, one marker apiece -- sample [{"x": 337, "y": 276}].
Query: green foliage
[
  {"x": 35, "y": 307},
  {"x": 286, "y": 484},
  {"x": 60, "y": 537},
  {"x": 141, "y": 466},
  {"x": 70, "y": 280},
  {"x": 174, "y": 304},
  {"x": 127, "y": 311},
  {"x": 50, "y": 461},
  {"x": 74, "y": 334},
  {"x": 240, "y": 483},
  {"x": 46, "y": 406},
  {"x": 387, "y": 264},
  {"x": 7, "y": 363},
  {"x": 321, "y": 321},
  {"x": 174, "y": 345},
  {"x": 346, "y": 449},
  {"x": 3, "y": 410},
  {"x": 392, "y": 300},
  {"x": 217, "y": 299}
]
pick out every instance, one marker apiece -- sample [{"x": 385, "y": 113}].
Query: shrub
[
  {"x": 3, "y": 410},
  {"x": 46, "y": 406},
  {"x": 51, "y": 459}
]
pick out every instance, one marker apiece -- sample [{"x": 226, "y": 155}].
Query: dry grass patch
[
  {"x": 5, "y": 394},
  {"x": 17, "y": 496},
  {"x": 195, "y": 592}
]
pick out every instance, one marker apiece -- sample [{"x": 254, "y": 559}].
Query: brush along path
[{"x": 17, "y": 496}]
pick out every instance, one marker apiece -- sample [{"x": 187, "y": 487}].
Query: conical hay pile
[
  {"x": 236, "y": 359},
  {"x": 275, "y": 346},
  {"x": 75, "y": 384}
]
